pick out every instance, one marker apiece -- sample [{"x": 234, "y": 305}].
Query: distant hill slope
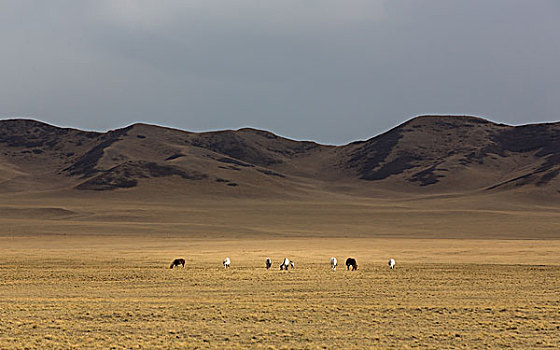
[
  {"x": 428, "y": 154},
  {"x": 460, "y": 153}
]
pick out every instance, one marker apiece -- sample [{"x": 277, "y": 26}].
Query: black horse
[
  {"x": 177, "y": 262},
  {"x": 351, "y": 262},
  {"x": 268, "y": 263}
]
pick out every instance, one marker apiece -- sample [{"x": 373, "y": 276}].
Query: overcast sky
[{"x": 323, "y": 70}]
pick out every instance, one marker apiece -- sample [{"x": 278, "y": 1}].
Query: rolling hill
[{"x": 428, "y": 154}]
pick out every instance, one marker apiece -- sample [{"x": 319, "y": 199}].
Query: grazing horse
[
  {"x": 286, "y": 263},
  {"x": 226, "y": 263},
  {"x": 334, "y": 263},
  {"x": 177, "y": 262},
  {"x": 391, "y": 263},
  {"x": 351, "y": 262},
  {"x": 268, "y": 263}
]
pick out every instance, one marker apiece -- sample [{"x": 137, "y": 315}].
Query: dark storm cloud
[{"x": 331, "y": 71}]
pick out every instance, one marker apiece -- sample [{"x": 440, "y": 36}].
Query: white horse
[
  {"x": 226, "y": 263},
  {"x": 334, "y": 263},
  {"x": 286, "y": 263},
  {"x": 391, "y": 263},
  {"x": 268, "y": 263}
]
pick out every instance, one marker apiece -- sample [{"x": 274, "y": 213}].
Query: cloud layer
[{"x": 330, "y": 71}]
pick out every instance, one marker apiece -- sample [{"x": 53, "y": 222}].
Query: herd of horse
[{"x": 351, "y": 263}]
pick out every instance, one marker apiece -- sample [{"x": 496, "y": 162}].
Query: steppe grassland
[{"x": 112, "y": 292}]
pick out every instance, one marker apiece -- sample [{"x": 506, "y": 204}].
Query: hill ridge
[{"x": 426, "y": 154}]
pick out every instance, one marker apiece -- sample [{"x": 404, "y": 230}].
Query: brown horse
[
  {"x": 351, "y": 262},
  {"x": 177, "y": 262}
]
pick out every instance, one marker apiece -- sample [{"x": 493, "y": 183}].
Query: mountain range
[{"x": 427, "y": 154}]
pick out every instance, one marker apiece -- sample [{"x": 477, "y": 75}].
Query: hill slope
[
  {"x": 426, "y": 155},
  {"x": 460, "y": 153}
]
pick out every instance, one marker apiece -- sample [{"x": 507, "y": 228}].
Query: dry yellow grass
[
  {"x": 90, "y": 271},
  {"x": 94, "y": 292},
  {"x": 185, "y": 215}
]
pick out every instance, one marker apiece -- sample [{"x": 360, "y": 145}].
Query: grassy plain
[
  {"x": 103, "y": 292},
  {"x": 91, "y": 271}
]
